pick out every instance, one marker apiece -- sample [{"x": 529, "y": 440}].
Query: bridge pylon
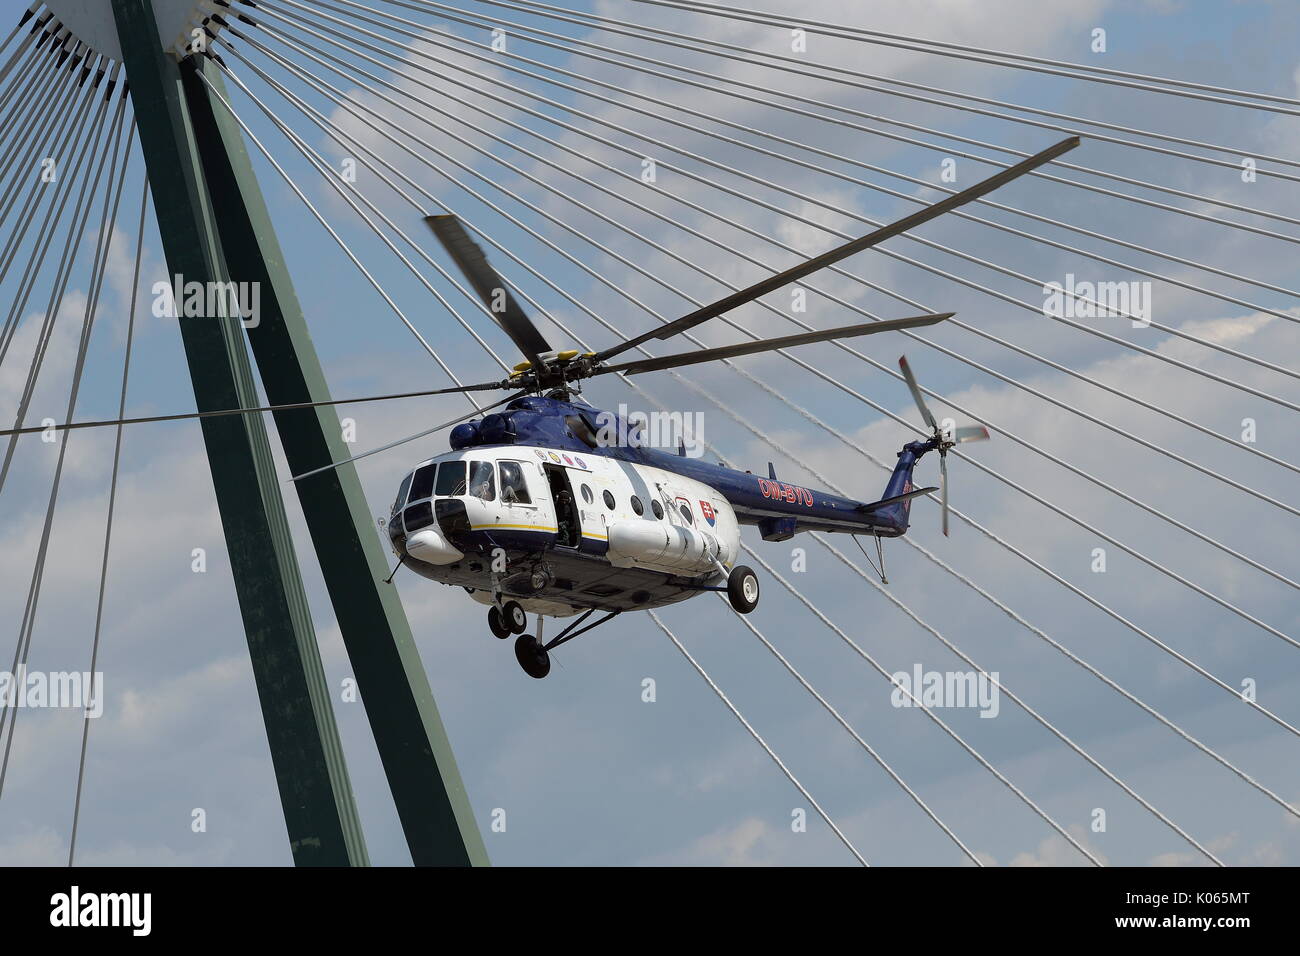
[{"x": 215, "y": 228}]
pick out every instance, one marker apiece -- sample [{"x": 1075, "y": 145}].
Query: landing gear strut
[{"x": 534, "y": 656}]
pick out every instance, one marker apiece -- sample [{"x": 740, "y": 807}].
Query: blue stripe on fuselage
[
  {"x": 754, "y": 497},
  {"x": 543, "y": 421}
]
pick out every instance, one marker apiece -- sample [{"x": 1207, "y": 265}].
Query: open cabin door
[{"x": 567, "y": 512}]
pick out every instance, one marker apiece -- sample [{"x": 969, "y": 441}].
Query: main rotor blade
[
  {"x": 219, "y": 412},
  {"x": 807, "y": 268},
  {"x": 465, "y": 252},
  {"x": 767, "y": 345},
  {"x": 403, "y": 441},
  {"x": 916, "y": 393},
  {"x": 943, "y": 486}
]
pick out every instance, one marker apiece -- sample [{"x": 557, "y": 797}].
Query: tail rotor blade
[
  {"x": 970, "y": 433},
  {"x": 943, "y": 481},
  {"x": 916, "y": 394}
]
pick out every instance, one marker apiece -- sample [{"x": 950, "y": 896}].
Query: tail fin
[{"x": 900, "y": 482}]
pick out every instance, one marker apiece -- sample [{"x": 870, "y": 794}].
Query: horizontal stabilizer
[{"x": 897, "y": 499}]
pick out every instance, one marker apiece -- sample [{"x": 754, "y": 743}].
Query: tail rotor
[{"x": 943, "y": 440}]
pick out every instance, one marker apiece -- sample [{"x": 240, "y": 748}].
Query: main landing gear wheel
[
  {"x": 497, "y": 623},
  {"x": 742, "y": 589},
  {"x": 532, "y": 657},
  {"x": 515, "y": 618}
]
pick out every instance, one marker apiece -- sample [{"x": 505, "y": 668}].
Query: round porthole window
[
  {"x": 686, "y": 513},
  {"x": 609, "y": 500},
  {"x": 657, "y": 508},
  {"x": 586, "y": 493},
  {"x": 637, "y": 506}
]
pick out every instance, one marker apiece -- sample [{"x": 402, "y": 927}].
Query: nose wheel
[{"x": 507, "y": 619}]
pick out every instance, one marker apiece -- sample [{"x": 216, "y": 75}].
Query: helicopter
[{"x": 552, "y": 507}]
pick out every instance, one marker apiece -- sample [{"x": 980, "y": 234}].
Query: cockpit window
[
  {"x": 401, "y": 494},
  {"x": 482, "y": 480},
  {"x": 451, "y": 479},
  {"x": 422, "y": 482},
  {"x": 514, "y": 488}
]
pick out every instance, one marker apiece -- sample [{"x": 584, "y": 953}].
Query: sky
[{"x": 585, "y": 770}]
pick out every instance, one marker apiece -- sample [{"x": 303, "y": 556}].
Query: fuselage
[{"x": 534, "y": 503}]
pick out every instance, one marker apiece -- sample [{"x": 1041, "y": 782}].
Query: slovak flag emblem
[{"x": 706, "y": 509}]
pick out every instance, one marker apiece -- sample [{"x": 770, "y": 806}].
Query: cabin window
[
  {"x": 482, "y": 480},
  {"x": 422, "y": 482},
  {"x": 609, "y": 500},
  {"x": 657, "y": 508},
  {"x": 637, "y": 506},
  {"x": 401, "y": 495},
  {"x": 514, "y": 489},
  {"x": 686, "y": 513},
  {"x": 587, "y": 496},
  {"x": 451, "y": 479}
]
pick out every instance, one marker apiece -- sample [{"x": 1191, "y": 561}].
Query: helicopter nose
[
  {"x": 392, "y": 526},
  {"x": 428, "y": 544}
]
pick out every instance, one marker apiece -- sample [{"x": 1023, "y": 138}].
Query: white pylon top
[{"x": 91, "y": 21}]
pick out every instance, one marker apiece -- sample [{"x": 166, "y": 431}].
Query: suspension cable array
[{"x": 620, "y": 165}]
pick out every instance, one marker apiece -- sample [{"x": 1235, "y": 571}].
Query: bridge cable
[
  {"x": 1145, "y": 635},
  {"x": 568, "y": 45},
  {"x": 321, "y": 86},
  {"x": 389, "y": 183},
  {"x": 392, "y": 185},
  {"x": 53, "y": 307},
  {"x": 984, "y": 468},
  {"x": 925, "y": 266},
  {"x": 976, "y": 54},
  {"x": 72, "y": 120},
  {"x": 108, "y": 526},
  {"x": 343, "y": 245},
  {"x": 794, "y": 65},
  {"x": 761, "y": 742},
  {"x": 112, "y": 198}
]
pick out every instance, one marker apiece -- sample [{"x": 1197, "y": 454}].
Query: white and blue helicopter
[{"x": 534, "y": 509}]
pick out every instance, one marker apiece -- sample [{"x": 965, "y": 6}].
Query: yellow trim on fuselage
[{"x": 511, "y": 527}]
